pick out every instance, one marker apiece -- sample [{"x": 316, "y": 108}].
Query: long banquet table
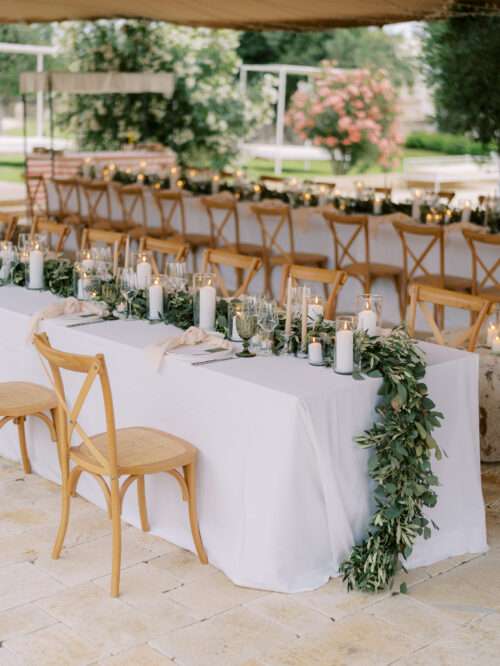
[
  {"x": 283, "y": 489},
  {"x": 312, "y": 235}
]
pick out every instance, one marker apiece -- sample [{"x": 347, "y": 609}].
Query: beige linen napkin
[
  {"x": 66, "y": 307},
  {"x": 193, "y": 336}
]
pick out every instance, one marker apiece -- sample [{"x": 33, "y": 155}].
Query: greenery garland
[
  {"x": 401, "y": 439},
  {"x": 402, "y": 447}
]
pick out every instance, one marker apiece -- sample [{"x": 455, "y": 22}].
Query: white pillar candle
[
  {"x": 315, "y": 352},
  {"x": 490, "y": 334},
  {"x": 367, "y": 321},
  {"x": 6, "y": 258},
  {"x": 207, "y": 308},
  {"x": 84, "y": 284},
  {"x": 305, "y": 293},
  {"x": 127, "y": 251},
  {"x": 322, "y": 195},
  {"x": 288, "y": 321},
  {"x": 466, "y": 212},
  {"x": 155, "y": 300},
  {"x": 344, "y": 351},
  {"x": 495, "y": 344},
  {"x": 417, "y": 201},
  {"x": 87, "y": 262},
  {"x": 359, "y": 189},
  {"x": 143, "y": 274},
  {"x": 215, "y": 184},
  {"x": 235, "y": 336},
  {"x": 377, "y": 206},
  {"x": 36, "y": 269}
]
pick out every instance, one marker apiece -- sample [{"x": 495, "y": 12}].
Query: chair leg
[
  {"x": 20, "y": 422},
  {"x": 399, "y": 289},
  {"x": 141, "y": 497},
  {"x": 190, "y": 476},
  {"x": 117, "y": 537},
  {"x": 65, "y": 506}
]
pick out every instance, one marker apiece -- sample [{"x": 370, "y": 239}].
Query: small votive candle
[
  {"x": 491, "y": 333},
  {"x": 428, "y": 218},
  {"x": 315, "y": 308},
  {"x": 307, "y": 198},
  {"x": 315, "y": 351}
]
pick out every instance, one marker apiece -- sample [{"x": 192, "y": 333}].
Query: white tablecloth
[{"x": 283, "y": 490}]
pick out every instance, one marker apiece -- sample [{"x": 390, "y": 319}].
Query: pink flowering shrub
[{"x": 351, "y": 113}]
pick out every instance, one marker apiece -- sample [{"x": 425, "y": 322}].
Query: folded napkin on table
[
  {"x": 193, "y": 336},
  {"x": 69, "y": 306}
]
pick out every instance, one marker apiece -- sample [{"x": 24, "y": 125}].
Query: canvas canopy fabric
[
  {"x": 246, "y": 14},
  {"x": 97, "y": 82}
]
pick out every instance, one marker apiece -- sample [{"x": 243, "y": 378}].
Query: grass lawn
[{"x": 11, "y": 167}]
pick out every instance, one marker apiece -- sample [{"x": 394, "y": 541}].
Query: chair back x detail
[
  {"x": 334, "y": 281},
  {"x": 213, "y": 259},
  {"x": 343, "y": 248},
  {"x": 175, "y": 249},
  {"x": 485, "y": 276},
  {"x": 133, "y": 205},
  {"x": 98, "y": 198},
  {"x": 60, "y": 231},
  {"x": 8, "y": 224},
  {"x": 221, "y": 210},
  {"x": 422, "y": 296}
]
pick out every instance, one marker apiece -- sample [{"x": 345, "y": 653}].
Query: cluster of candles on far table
[{"x": 493, "y": 332}]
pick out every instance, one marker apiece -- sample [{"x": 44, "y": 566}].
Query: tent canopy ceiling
[
  {"x": 245, "y": 14},
  {"x": 94, "y": 83}
]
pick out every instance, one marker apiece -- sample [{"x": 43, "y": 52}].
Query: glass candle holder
[
  {"x": 8, "y": 257},
  {"x": 142, "y": 262},
  {"x": 86, "y": 283},
  {"x": 315, "y": 351},
  {"x": 344, "y": 345},
  {"x": 369, "y": 313},
  {"x": 493, "y": 326},
  {"x": 156, "y": 297},
  {"x": 204, "y": 300},
  {"x": 34, "y": 267},
  {"x": 315, "y": 308},
  {"x": 177, "y": 276}
]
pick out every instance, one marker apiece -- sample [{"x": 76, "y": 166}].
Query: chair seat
[
  {"x": 452, "y": 282},
  {"x": 491, "y": 293},
  {"x": 24, "y": 399},
  {"x": 371, "y": 268},
  {"x": 139, "y": 451}
]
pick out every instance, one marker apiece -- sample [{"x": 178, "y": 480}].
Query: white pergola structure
[
  {"x": 39, "y": 52},
  {"x": 278, "y": 151}
]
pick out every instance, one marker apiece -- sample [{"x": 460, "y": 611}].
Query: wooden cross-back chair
[
  {"x": 98, "y": 198},
  {"x": 422, "y": 296},
  {"x": 365, "y": 271},
  {"x": 320, "y": 183},
  {"x": 113, "y": 239},
  {"x": 8, "y": 224},
  {"x": 214, "y": 259},
  {"x": 168, "y": 202},
  {"x": 222, "y": 210},
  {"x": 118, "y": 452},
  {"x": 20, "y": 400},
  {"x": 169, "y": 248},
  {"x": 415, "y": 261},
  {"x": 485, "y": 277},
  {"x": 275, "y": 222},
  {"x": 133, "y": 204},
  {"x": 332, "y": 279},
  {"x": 272, "y": 179},
  {"x": 36, "y": 194},
  {"x": 60, "y": 231},
  {"x": 386, "y": 191}
]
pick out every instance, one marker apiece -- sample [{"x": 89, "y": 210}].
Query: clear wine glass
[
  {"x": 268, "y": 320},
  {"x": 127, "y": 279}
]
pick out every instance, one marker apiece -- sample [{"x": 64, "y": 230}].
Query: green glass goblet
[{"x": 246, "y": 325}]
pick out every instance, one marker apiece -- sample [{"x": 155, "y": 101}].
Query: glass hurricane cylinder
[
  {"x": 204, "y": 300},
  {"x": 344, "y": 345},
  {"x": 142, "y": 262},
  {"x": 8, "y": 258},
  {"x": 369, "y": 313}
]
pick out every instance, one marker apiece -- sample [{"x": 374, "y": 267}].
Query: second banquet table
[{"x": 283, "y": 490}]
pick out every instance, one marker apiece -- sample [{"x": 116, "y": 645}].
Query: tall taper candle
[{"x": 288, "y": 321}]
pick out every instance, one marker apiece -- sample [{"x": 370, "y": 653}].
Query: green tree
[
  {"x": 354, "y": 47},
  {"x": 461, "y": 59}
]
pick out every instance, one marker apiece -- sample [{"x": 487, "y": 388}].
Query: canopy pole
[{"x": 51, "y": 121}]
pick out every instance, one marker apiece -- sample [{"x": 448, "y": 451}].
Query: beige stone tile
[
  {"x": 466, "y": 646},
  {"x": 92, "y": 559},
  {"x": 53, "y": 646},
  {"x": 154, "y": 544},
  {"x": 23, "y": 620},
  {"x": 359, "y": 640},
  {"x": 143, "y": 655},
  {"x": 9, "y": 471},
  {"x": 493, "y": 528},
  {"x": 412, "y": 577},
  {"x": 109, "y": 624},
  {"x": 464, "y": 593},
  {"x": 8, "y": 658},
  {"x": 214, "y": 594},
  {"x": 233, "y": 638},
  {"x": 23, "y": 583},
  {"x": 335, "y": 601},
  {"x": 143, "y": 587},
  {"x": 26, "y": 547},
  {"x": 450, "y": 563},
  {"x": 412, "y": 617},
  {"x": 184, "y": 565},
  {"x": 291, "y": 614},
  {"x": 90, "y": 524}
]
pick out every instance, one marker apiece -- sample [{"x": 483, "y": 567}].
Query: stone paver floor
[{"x": 174, "y": 611}]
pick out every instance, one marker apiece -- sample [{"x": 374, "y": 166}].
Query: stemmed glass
[
  {"x": 267, "y": 318},
  {"x": 246, "y": 325},
  {"x": 127, "y": 279}
]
